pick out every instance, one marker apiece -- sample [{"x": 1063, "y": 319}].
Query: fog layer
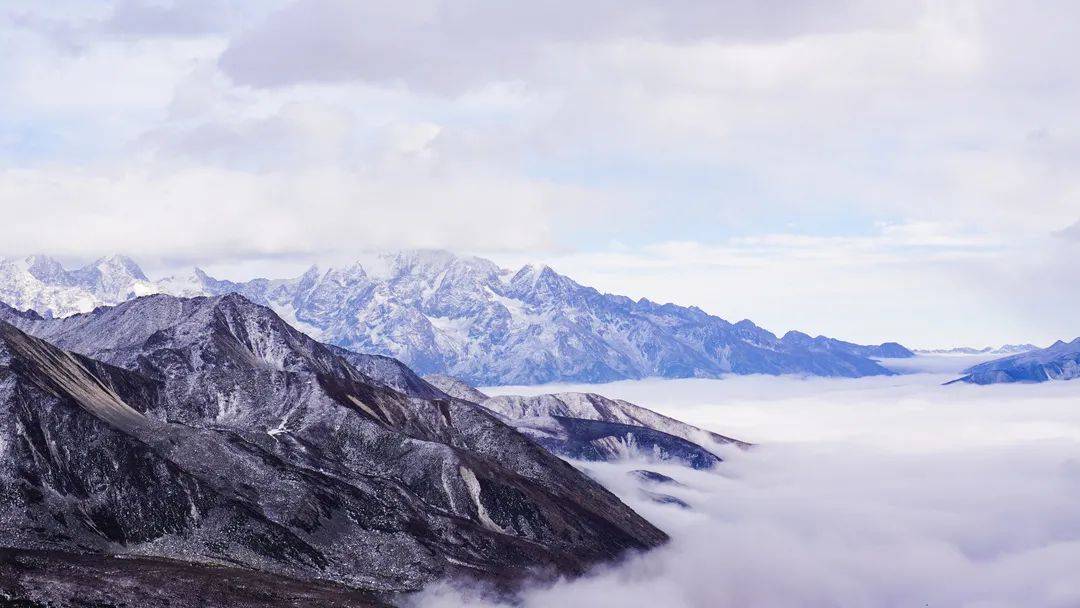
[{"x": 872, "y": 492}]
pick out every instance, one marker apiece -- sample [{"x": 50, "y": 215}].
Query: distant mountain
[
  {"x": 1061, "y": 361},
  {"x": 42, "y": 284},
  {"x": 1006, "y": 349},
  {"x": 465, "y": 316},
  {"x": 208, "y": 430},
  {"x": 587, "y": 426}
]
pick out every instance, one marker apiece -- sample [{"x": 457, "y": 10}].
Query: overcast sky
[{"x": 866, "y": 170}]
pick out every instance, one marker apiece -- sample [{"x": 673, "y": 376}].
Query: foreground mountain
[
  {"x": 587, "y": 426},
  {"x": 1006, "y": 349},
  {"x": 208, "y": 430},
  {"x": 1061, "y": 361},
  {"x": 465, "y": 316}
]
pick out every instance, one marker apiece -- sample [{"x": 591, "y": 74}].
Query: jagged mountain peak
[
  {"x": 121, "y": 264},
  {"x": 45, "y": 268},
  {"x": 426, "y": 263},
  {"x": 110, "y": 275},
  {"x": 533, "y": 275}
]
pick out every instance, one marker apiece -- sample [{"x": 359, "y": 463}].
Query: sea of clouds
[{"x": 892, "y": 491}]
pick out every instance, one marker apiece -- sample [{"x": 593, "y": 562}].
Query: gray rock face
[
  {"x": 466, "y": 317},
  {"x": 1061, "y": 361},
  {"x": 587, "y": 426},
  {"x": 209, "y": 430}
]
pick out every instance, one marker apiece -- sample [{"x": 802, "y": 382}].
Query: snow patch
[{"x": 473, "y": 485}]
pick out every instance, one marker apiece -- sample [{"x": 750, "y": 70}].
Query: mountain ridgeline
[
  {"x": 466, "y": 317},
  {"x": 588, "y": 426}
]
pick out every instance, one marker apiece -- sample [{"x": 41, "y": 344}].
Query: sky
[
  {"x": 890, "y": 492},
  {"x": 866, "y": 170}
]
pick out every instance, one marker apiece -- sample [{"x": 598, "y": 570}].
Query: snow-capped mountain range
[
  {"x": 1005, "y": 349},
  {"x": 42, "y": 284},
  {"x": 1059, "y": 361},
  {"x": 465, "y": 316}
]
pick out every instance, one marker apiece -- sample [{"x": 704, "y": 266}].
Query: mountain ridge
[
  {"x": 1059, "y": 361},
  {"x": 465, "y": 316},
  {"x": 589, "y": 426}
]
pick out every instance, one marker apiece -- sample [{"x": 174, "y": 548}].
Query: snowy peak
[
  {"x": 1060, "y": 361},
  {"x": 540, "y": 283},
  {"x": 43, "y": 284},
  {"x": 115, "y": 278},
  {"x": 120, "y": 266},
  {"x": 46, "y": 269}
]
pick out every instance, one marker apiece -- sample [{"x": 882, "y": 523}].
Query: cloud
[
  {"x": 142, "y": 18},
  {"x": 451, "y": 47},
  {"x": 199, "y": 214},
  {"x": 897, "y": 169},
  {"x": 926, "y": 285},
  {"x": 873, "y": 492},
  {"x": 1072, "y": 232}
]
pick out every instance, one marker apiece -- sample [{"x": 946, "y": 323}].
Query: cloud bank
[
  {"x": 839, "y": 148},
  {"x": 886, "y": 492}
]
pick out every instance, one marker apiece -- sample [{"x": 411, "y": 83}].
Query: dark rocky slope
[
  {"x": 51, "y": 579},
  {"x": 209, "y": 430}
]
